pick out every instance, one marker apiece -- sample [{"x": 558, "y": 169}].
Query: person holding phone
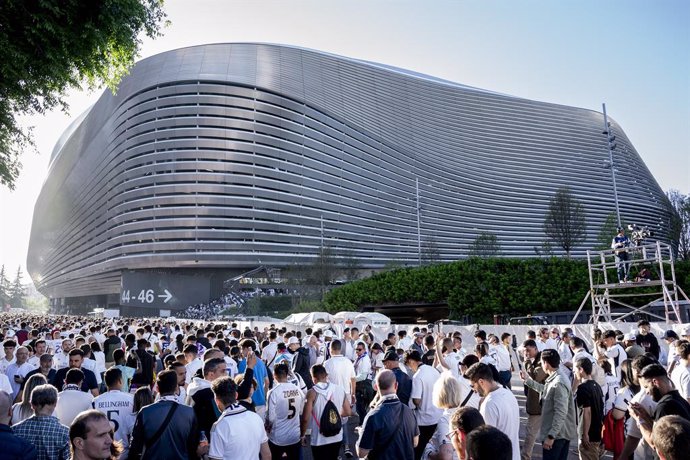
[{"x": 17, "y": 371}]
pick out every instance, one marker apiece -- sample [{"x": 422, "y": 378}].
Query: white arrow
[{"x": 167, "y": 296}]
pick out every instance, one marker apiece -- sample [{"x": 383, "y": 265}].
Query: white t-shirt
[
  {"x": 5, "y": 363},
  {"x": 681, "y": 379},
  {"x": 238, "y": 434},
  {"x": 284, "y": 409},
  {"x": 616, "y": 355},
  {"x": 340, "y": 371},
  {"x": 423, "y": 388},
  {"x": 192, "y": 367},
  {"x": 549, "y": 343},
  {"x": 70, "y": 403},
  {"x": 502, "y": 358},
  {"x": 118, "y": 407},
  {"x": 644, "y": 451},
  {"x": 440, "y": 436},
  {"x": 362, "y": 366},
  {"x": 452, "y": 360},
  {"x": 231, "y": 366},
  {"x": 500, "y": 409},
  {"x": 324, "y": 392},
  {"x": 5, "y": 384}
]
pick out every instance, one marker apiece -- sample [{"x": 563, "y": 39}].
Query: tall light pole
[
  {"x": 419, "y": 225},
  {"x": 611, "y": 140}
]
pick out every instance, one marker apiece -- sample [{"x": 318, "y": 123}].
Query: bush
[{"x": 481, "y": 287}]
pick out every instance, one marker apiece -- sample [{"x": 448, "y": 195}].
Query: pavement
[{"x": 517, "y": 389}]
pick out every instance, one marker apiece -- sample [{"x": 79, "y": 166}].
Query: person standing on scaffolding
[{"x": 620, "y": 245}]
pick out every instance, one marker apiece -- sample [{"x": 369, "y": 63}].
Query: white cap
[
  {"x": 630, "y": 336},
  {"x": 328, "y": 333},
  {"x": 292, "y": 340},
  {"x": 685, "y": 331}
]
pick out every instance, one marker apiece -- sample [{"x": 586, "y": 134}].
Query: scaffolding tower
[{"x": 605, "y": 291}]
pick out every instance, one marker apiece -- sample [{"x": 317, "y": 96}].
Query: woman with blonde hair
[
  {"x": 448, "y": 395},
  {"x": 22, "y": 410}
]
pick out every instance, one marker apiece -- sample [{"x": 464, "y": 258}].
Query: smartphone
[{"x": 16, "y": 378}]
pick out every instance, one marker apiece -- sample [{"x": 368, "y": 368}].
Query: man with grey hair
[
  {"x": 380, "y": 437},
  {"x": 44, "y": 431},
  {"x": 13, "y": 447}
]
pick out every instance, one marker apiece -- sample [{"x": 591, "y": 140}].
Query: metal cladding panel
[{"x": 234, "y": 155}]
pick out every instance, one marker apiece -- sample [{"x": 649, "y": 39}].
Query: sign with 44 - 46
[{"x": 160, "y": 289}]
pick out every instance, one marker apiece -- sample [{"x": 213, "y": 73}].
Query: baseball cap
[
  {"x": 328, "y": 333},
  {"x": 391, "y": 355},
  {"x": 630, "y": 336},
  {"x": 670, "y": 334},
  {"x": 293, "y": 340}
]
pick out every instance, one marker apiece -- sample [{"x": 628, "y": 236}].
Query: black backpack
[{"x": 330, "y": 422}]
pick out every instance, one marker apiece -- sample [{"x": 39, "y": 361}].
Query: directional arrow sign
[{"x": 167, "y": 296}]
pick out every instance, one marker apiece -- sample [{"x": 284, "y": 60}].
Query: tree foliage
[
  {"x": 16, "y": 291},
  {"x": 431, "y": 254},
  {"x": 565, "y": 221},
  {"x": 480, "y": 287},
  {"x": 607, "y": 231},
  {"x": 50, "y": 46},
  {"x": 485, "y": 245},
  {"x": 680, "y": 223},
  {"x": 4, "y": 289}
]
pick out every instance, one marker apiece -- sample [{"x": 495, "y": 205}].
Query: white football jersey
[
  {"x": 284, "y": 409},
  {"x": 118, "y": 407}
]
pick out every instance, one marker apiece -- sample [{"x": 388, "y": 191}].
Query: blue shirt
[
  {"x": 387, "y": 440},
  {"x": 260, "y": 374}
]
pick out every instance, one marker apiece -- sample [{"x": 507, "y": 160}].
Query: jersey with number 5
[
  {"x": 285, "y": 404},
  {"x": 117, "y": 406}
]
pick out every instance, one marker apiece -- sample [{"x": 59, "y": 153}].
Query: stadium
[{"x": 213, "y": 160}]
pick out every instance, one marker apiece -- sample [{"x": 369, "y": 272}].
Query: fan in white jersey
[
  {"x": 285, "y": 404},
  {"x": 117, "y": 406}
]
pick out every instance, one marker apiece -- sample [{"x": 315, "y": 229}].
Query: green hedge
[{"x": 481, "y": 287}]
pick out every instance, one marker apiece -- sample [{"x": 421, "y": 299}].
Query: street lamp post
[{"x": 611, "y": 140}]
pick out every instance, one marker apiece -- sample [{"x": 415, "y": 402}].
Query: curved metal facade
[{"x": 235, "y": 155}]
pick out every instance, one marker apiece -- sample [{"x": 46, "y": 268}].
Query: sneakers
[{"x": 348, "y": 453}]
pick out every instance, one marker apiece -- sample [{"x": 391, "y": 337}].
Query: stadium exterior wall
[{"x": 230, "y": 156}]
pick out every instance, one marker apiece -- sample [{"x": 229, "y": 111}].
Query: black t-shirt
[
  {"x": 428, "y": 357},
  {"x": 404, "y": 385},
  {"x": 388, "y": 440},
  {"x": 672, "y": 404},
  {"x": 88, "y": 384},
  {"x": 589, "y": 394}
]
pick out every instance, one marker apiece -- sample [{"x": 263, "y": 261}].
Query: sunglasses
[{"x": 360, "y": 349}]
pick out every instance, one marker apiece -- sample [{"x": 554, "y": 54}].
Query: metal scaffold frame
[{"x": 658, "y": 258}]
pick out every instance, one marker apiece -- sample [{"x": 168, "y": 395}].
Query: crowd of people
[{"x": 89, "y": 388}]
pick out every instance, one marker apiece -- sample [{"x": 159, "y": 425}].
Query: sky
[{"x": 633, "y": 55}]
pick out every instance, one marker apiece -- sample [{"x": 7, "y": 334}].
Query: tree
[
  {"x": 431, "y": 253},
  {"x": 565, "y": 220},
  {"x": 48, "y": 47},
  {"x": 350, "y": 265},
  {"x": 607, "y": 231},
  {"x": 17, "y": 291},
  {"x": 680, "y": 223},
  {"x": 485, "y": 245},
  {"x": 4, "y": 289}
]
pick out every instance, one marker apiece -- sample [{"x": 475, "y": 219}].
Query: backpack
[
  {"x": 330, "y": 422},
  {"x": 613, "y": 434}
]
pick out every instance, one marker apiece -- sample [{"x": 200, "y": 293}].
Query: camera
[{"x": 639, "y": 233}]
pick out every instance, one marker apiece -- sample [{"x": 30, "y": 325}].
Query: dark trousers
[
  {"x": 327, "y": 452},
  {"x": 365, "y": 393},
  {"x": 292, "y": 451},
  {"x": 425, "y": 434},
  {"x": 504, "y": 378},
  {"x": 559, "y": 450}
]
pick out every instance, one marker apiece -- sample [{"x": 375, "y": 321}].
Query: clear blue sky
[{"x": 632, "y": 54}]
